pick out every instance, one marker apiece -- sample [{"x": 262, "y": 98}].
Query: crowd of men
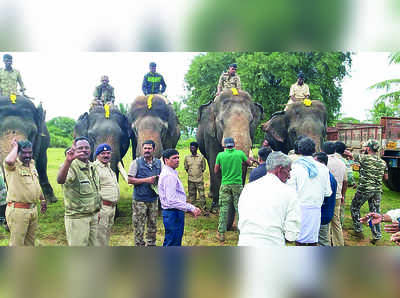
[{"x": 297, "y": 198}]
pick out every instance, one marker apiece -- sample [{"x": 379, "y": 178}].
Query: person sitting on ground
[
  {"x": 261, "y": 170},
  {"x": 229, "y": 79},
  {"x": 298, "y": 91},
  {"x": 9, "y": 77},
  {"x": 272, "y": 217}
]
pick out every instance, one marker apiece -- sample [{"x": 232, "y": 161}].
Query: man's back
[
  {"x": 231, "y": 166},
  {"x": 311, "y": 190},
  {"x": 258, "y": 172},
  {"x": 267, "y": 218},
  {"x": 372, "y": 168},
  {"x": 338, "y": 169}
]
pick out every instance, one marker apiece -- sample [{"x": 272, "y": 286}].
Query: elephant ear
[
  {"x": 173, "y": 122},
  {"x": 257, "y": 111},
  {"x": 81, "y": 126},
  {"x": 276, "y": 131},
  {"x": 206, "y": 118}
]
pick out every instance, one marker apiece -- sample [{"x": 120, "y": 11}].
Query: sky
[{"x": 65, "y": 82}]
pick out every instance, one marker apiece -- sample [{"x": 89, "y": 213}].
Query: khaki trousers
[
  {"x": 82, "y": 231},
  {"x": 335, "y": 226},
  {"x": 23, "y": 224},
  {"x": 106, "y": 222}
]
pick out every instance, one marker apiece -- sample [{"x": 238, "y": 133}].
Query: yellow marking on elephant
[
  {"x": 235, "y": 91},
  {"x": 307, "y": 102},
  {"x": 13, "y": 98},
  {"x": 150, "y": 101},
  {"x": 107, "y": 111}
]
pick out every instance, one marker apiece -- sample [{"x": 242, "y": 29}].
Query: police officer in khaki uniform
[
  {"x": 23, "y": 193},
  {"x": 81, "y": 195},
  {"x": 109, "y": 193},
  {"x": 229, "y": 79}
]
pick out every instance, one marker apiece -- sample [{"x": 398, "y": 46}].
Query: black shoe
[{"x": 374, "y": 241}]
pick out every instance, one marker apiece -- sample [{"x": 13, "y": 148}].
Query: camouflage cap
[
  {"x": 104, "y": 78},
  {"x": 373, "y": 144},
  {"x": 7, "y": 56},
  {"x": 152, "y": 64}
]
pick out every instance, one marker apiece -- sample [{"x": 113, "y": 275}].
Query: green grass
[{"x": 198, "y": 231}]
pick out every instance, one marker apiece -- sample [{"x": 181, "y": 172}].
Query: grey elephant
[
  {"x": 282, "y": 130},
  {"x": 113, "y": 130},
  {"x": 229, "y": 115},
  {"x": 151, "y": 118},
  {"x": 23, "y": 120}
]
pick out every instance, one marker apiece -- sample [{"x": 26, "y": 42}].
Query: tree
[
  {"x": 387, "y": 104},
  {"x": 267, "y": 76},
  {"x": 61, "y": 130}
]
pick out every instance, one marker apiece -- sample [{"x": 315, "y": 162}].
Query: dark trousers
[
  {"x": 3, "y": 213},
  {"x": 174, "y": 223}
]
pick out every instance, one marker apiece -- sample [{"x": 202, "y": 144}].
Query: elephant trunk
[
  {"x": 238, "y": 128},
  {"x": 115, "y": 146}
]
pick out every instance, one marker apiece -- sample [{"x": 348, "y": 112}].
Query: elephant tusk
[{"x": 122, "y": 171}]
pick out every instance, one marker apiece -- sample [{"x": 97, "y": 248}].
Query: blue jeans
[{"x": 174, "y": 223}]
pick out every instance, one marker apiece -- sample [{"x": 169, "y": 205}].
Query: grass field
[{"x": 198, "y": 231}]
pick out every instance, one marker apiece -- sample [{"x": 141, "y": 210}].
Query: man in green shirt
[
  {"x": 81, "y": 186},
  {"x": 9, "y": 77},
  {"x": 229, "y": 163}
]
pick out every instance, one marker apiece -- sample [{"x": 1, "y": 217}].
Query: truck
[{"x": 387, "y": 133}]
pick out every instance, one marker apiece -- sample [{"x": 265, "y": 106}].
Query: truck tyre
[{"x": 393, "y": 182}]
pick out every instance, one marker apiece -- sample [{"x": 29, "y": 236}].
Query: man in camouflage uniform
[
  {"x": 229, "y": 79},
  {"x": 229, "y": 163},
  {"x": 3, "y": 202},
  {"x": 9, "y": 77},
  {"x": 143, "y": 173},
  {"x": 195, "y": 165},
  {"x": 372, "y": 169},
  {"x": 104, "y": 93},
  {"x": 24, "y": 192},
  {"x": 109, "y": 193},
  {"x": 80, "y": 182}
]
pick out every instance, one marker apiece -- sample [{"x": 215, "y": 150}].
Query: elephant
[
  {"x": 282, "y": 130},
  {"x": 229, "y": 115},
  {"x": 151, "y": 118},
  {"x": 23, "y": 120},
  {"x": 99, "y": 129}
]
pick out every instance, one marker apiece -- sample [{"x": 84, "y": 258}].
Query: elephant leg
[{"x": 41, "y": 166}]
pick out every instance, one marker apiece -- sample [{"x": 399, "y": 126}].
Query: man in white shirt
[
  {"x": 311, "y": 181},
  {"x": 269, "y": 218},
  {"x": 338, "y": 169}
]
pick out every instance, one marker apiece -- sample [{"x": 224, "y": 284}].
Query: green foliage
[
  {"x": 61, "y": 131},
  {"x": 349, "y": 120},
  {"x": 123, "y": 108},
  {"x": 385, "y": 108},
  {"x": 387, "y": 104},
  {"x": 185, "y": 143},
  {"x": 268, "y": 77}
]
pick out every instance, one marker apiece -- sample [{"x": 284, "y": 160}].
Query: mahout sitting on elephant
[{"x": 20, "y": 119}]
